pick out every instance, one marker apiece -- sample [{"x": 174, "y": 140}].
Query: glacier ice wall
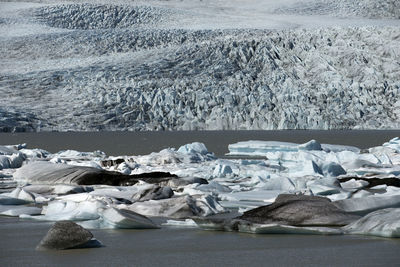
[
  {"x": 110, "y": 67},
  {"x": 344, "y": 8}
]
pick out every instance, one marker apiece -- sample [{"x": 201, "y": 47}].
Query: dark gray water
[
  {"x": 139, "y": 143},
  {"x": 191, "y": 247}
]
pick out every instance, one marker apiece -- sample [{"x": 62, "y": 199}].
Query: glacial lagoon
[{"x": 186, "y": 245}]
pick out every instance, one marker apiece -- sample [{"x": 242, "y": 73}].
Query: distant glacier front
[{"x": 173, "y": 65}]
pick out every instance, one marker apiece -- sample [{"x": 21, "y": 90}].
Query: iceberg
[
  {"x": 177, "y": 207},
  {"x": 21, "y": 210},
  {"x": 300, "y": 210},
  {"x": 368, "y": 204},
  {"x": 383, "y": 222},
  {"x": 58, "y": 173},
  {"x": 113, "y": 218}
]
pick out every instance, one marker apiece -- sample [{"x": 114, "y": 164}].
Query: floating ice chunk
[
  {"x": 311, "y": 167},
  {"x": 332, "y": 169},
  {"x": 178, "y": 207},
  {"x": 4, "y": 162},
  {"x": 186, "y": 223},
  {"x": 197, "y": 152},
  {"x": 310, "y": 145},
  {"x": 339, "y": 148},
  {"x": 362, "y": 194},
  {"x": 73, "y": 154},
  {"x": 213, "y": 187},
  {"x": 378, "y": 170},
  {"x": 124, "y": 168},
  {"x": 384, "y": 222},
  {"x": 35, "y": 153},
  {"x": 222, "y": 170},
  {"x": 86, "y": 163},
  {"x": 20, "y": 193},
  {"x": 70, "y": 189},
  {"x": 379, "y": 187},
  {"x": 339, "y": 196},
  {"x": 324, "y": 186},
  {"x": 304, "y": 168},
  {"x": 140, "y": 192},
  {"x": 368, "y": 204},
  {"x": 257, "y": 197},
  {"x": 39, "y": 189},
  {"x": 195, "y": 147},
  {"x": 165, "y": 156},
  {"x": 392, "y": 190},
  {"x": 69, "y": 210},
  {"x": 17, "y": 211},
  {"x": 49, "y": 173},
  {"x": 5, "y": 200},
  {"x": 283, "y": 184},
  {"x": 124, "y": 219},
  {"x": 14, "y": 160},
  {"x": 299, "y": 210},
  {"x": 79, "y": 197},
  {"x": 393, "y": 144},
  {"x": 354, "y": 184},
  {"x": 8, "y": 150},
  {"x": 286, "y": 229},
  {"x": 260, "y": 148}
]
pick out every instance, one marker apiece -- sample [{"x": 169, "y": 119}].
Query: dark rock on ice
[{"x": 67, "y": 235}]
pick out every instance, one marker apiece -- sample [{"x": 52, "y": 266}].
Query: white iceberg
[
  {"x": 21, "y": 210},
  {"x": 177, "y": 207},
  {"x": 384, "y": 222},
  {"x": 112, "y": 218},
  {"x": 368, "y": 204}
]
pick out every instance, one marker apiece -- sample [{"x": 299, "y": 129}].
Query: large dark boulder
[{"x": 67, "y": 235}]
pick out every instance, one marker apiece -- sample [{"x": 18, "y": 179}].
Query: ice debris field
[
  {"x": 260, "y": 187},
  {"x": 199, "y": 65}
]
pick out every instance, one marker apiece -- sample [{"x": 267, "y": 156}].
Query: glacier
[{"x": 173, "y": 65}]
